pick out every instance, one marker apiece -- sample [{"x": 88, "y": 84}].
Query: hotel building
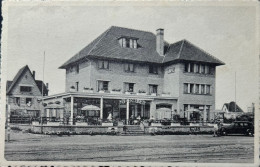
[{"x": 131, "y": 73}]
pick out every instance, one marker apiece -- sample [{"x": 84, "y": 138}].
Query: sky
[{"x": 226, "y": 32}]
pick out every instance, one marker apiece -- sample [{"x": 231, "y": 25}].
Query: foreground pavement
[{"x": 167, "y": 148}]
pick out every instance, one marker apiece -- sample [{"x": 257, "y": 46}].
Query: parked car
[{"x": 238, "y": 127}]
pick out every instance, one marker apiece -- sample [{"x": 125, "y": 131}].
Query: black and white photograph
[{"x": 121, "y": 82}]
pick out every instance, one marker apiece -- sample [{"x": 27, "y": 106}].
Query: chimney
[
  {"x": 47, "y": 85},
  {"x": 160, "y": 41},
  {"x": 33, "y": 74}
]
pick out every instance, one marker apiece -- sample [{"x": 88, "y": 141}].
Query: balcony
[{"x": 119, "y": 92}]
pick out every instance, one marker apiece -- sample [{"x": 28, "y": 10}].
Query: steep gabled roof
[
  {"x": 11, "y": 84},
  {"x": 107, "y": 46},
  {"x": 233, "y": 107},
  {"x": 16, "y": 78}
]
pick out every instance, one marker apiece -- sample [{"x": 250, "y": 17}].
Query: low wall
[
  {"x": 180, "y": 130},
  {"x": 72, "y": 129},
  {"x": 22, "y": 127}
]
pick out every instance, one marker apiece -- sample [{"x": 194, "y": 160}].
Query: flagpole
[
  {"x": 235, "y": 91},
  {"x": 42, "y": 84}
]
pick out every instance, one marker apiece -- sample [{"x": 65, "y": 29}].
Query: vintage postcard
[{"x": 127, "y": 83}]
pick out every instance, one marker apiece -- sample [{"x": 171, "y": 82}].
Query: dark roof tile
[{"x": 107, "y": 46}]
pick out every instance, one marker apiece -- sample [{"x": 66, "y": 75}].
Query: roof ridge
[
  {"x": 204, "y": 51},
  {"x": 133, "y": 29}
]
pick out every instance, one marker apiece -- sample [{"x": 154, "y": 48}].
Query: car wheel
[
  {"x": 250, "y": 133},
  {"x": 224, "y": 133}
]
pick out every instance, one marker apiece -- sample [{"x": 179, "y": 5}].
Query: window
[
  {"x": 129, "y": 67},
  {"x": 131, "y": 43},
  {"x": 202, "y": 89},
  {"x": 135, "y": 43},
  {"x": 25, "y": 89},
  {"x": 196, "y": 68},
  {"x": 191, "y": 88},
  {"x": 153, "y": 88},
  {"x": 103, "y": 85},
  {"x": 128, "y": 42},
  {"x": 70, "y": 69},
  {"x": 211, "y": 70},
  {"x": 197, "y": 88},
  {"x": 186, "y": 67},
  {"x": 185, "y": 88},
  {"x": 124, "y": 42},
  {"x": 199, "y": 68},
  {"x": 77, "y": 86},
  {"x": 202, "y": 68},
  {"x": 185, "y": 106},
  {"x": 207, "y": 89},
  {"x": 103, "y": 64},
  {"x": 129, "y": 87},
  {"x": 77, "y": 68},
  {"x": 17, "y": 100},
  {"x": 206, "y": 69},
  {"x": 28, "y": 101},
  {"x": 191, "y": 67},
  {"x": 153, "y": 69}
]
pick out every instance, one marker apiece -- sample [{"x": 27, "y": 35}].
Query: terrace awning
[
  {"x": 90, "y": 107},
  {"x": 193, "y": 110}
]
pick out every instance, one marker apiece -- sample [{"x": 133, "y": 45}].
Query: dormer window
[{"x": 128, "y": 42}]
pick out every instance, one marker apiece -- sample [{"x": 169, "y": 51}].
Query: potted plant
[
  {"x": 167, "y": 94},
  {"x": 101, "y": 90},
  {"x": 88, "y": 90},
  {"x": 72, "y": 89},
  {"x": 116, "y": 91},
  {"x": 141, "y": 92}
]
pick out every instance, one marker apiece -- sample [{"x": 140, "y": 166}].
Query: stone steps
[{"x": 133, "y": 131}]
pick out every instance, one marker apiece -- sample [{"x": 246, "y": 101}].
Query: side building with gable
[{"x": 24, "y": 95}]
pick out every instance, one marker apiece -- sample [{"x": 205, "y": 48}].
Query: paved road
[{"x": 168, "y": 148}]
